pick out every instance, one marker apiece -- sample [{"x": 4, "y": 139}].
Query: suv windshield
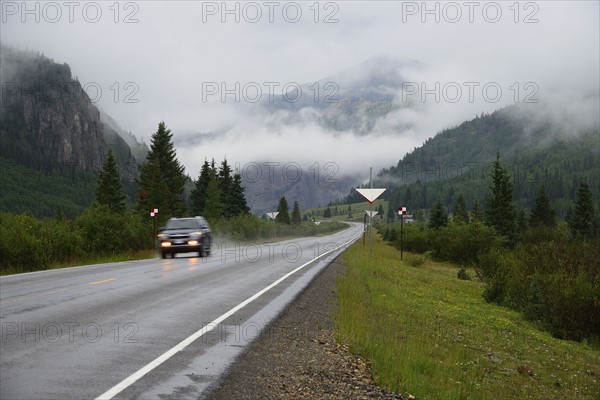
[{"x": 182, "y": 224}]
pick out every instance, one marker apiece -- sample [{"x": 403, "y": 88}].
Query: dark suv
[{"x": 185, "y": 235}]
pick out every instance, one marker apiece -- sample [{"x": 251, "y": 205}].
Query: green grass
[{"x": 432, "y": 335}]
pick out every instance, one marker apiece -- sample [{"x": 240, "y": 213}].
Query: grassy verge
[{"x": 432, "y": 335}]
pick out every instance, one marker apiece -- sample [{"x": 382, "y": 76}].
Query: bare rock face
[{"x": 47, "y": 120}]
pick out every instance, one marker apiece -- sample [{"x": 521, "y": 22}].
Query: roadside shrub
[
  {"x": 61, "y": 239},
  {"x": 29, "y": 244},
  {"x": 20, "y": 245},
  {"x": 415, "y": 239},
  {"x": 548, "y": 279},
  {"x": 496, "y": 267},
  {"x": 107, "y": 232},
  {"x": 462, "y": 243},
  {"x": 462, "y": 274}
]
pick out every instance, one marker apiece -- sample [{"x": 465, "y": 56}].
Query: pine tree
[
  {"x": 327, "y": 212},
  {"x": 521, "y": 222},
  {"x": 380, "y": 211},
  {"x": 582, "y": 221},
  {"x": 476, "y": 214},
  {"x": 391, "y": 214},
  {"x": 349, "y": 211},
  {"x": 407, "y": 198},
  {"x": 161, "y": 183},
  {"x": 542, "y": 212},
  {"x": 109, "y": 191},
  {"x": 500, "y": 211},
  {"x": 213, "y": 208},
  {"x": 225, "y": 185},
  {"x": 284, "y": 214},
  {"x": 296, "y": 217},
  {"x": 238, "y": 203},
  {"x": 460, "y": 211},
  {"x": 438, "y": 217},
  {"x": 198, "y": 195}
]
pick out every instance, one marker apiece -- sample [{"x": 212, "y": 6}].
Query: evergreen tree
[
  {"x": 476, "y": 214},
  {"x": 284, "y": 214},
  {"x": 407, "y": 198},
  {"x": 521, "y": 222},
  {"x": 226, "y": 185},
  {"x": 349, "y": 211},
  {"x": 380, "y": 211},
  {"x": 500, "y": 211},
  {"x": 542, "y": 212},
  {"x": 238, "y": 203},
  {"x": 391, "y": 214},
  {"x": 213, "y": 208},
  {"x": 295, "y": 217},
  {"x": 327, "y": 213},
  {"x": 161, "y": 183},
  {"x": 109, "y": 191},
  {"x": 198, "y": 195},
  {"x": 420, "y": 217},
  {"x": 438, "y": 217},
  {"x": 460, "y": 211},
  {"x": 597, "y": 222},
  {"x": 581, "y": 223}
]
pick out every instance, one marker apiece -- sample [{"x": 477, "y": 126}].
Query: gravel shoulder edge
[{"x": 297, "y": 355}]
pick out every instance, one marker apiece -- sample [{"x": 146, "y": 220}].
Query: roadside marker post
[
  {"x": 153, "y": 215},
  {"x": 370, "y": 195},
  {"x": 402, "y": 213}
]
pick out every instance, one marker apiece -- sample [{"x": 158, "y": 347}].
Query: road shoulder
[{"x": 298, "y": 356}]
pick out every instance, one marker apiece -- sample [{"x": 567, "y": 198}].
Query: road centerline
[{"x": 102, "y": 281}]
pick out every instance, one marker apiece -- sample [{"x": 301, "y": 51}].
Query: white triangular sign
[
  {"x": 370, "y": 194},
  {"x": 273, "y": 214},
  {"x": 371, "y": 213}
]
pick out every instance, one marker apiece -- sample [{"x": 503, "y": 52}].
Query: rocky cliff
[{"x": 47, "y": 120}]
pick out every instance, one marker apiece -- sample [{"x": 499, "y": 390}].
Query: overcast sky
[{"x": 169, "y": 51}]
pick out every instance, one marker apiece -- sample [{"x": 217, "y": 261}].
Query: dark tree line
[{"x": 218, "y": 192}]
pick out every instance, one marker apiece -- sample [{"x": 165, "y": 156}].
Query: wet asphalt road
[{"x": 77, "y": 333}]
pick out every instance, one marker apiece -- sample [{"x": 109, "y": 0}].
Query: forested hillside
[
  {"x": 458, "y": 161},
  {"x": 52, "y": 139}
]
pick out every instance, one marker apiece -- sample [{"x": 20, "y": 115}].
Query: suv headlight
[
  {"x": 161, "y": 235},
  {"x": 197, "y": 233}
]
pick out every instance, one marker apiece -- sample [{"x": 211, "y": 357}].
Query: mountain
[
  {"x": 352, "y": 99},
  {"x": 139, "y": 150},
  {"x": 538, "y": 145},
  {"x": 49, "y": 128},
  {"x": 264, "y": 185}
]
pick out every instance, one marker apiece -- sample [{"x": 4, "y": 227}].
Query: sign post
[
  {"x": 153, "y": 215},
  {"x": 371, "y": 195},
  {"x": 402, "y": 213},
  {"x": 273, "y": 215}
]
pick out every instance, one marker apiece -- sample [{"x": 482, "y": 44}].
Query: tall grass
[{"x": 432, "y": 335}]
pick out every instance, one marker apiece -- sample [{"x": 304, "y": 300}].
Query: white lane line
[{"x": 125, "y": 383}]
